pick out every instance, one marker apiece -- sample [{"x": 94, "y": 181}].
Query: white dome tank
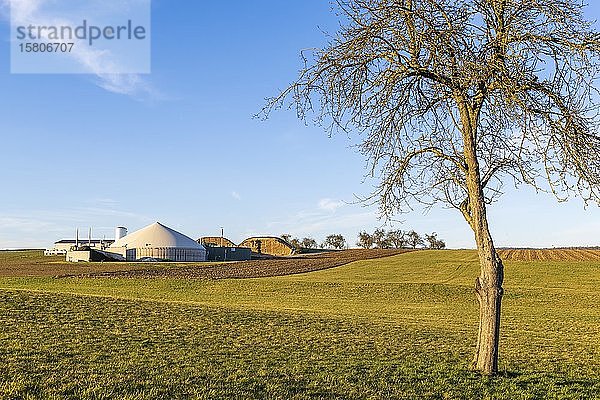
[{"x": 120, "y": 232}]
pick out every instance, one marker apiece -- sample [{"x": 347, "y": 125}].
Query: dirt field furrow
[{"x": 567, "y": 254}]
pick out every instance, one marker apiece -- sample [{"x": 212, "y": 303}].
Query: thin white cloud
[
  {"x": 11, "y": 224},
  {"x": 321, "y": 222},
  {"x": 330, "y": 205},
  {"x": 101, "y": 64},
  {"x": 236, "y": 195},
  {"x": 337, "y": 223},
  {"x": 21, "y": 9},
  {"x": 104, "y": 203},
  {"x": 17, "y": 232},
  {"x": 40, "y": 228}
]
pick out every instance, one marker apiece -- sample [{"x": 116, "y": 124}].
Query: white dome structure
[{"x": 158, "y": 242}]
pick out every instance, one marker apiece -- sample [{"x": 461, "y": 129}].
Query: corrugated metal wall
[
  {"x": 228, "y": 254},
  {"x": 168, "y": 253}
]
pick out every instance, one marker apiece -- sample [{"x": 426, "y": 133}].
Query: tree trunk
[{"x": 488, "y": 286}]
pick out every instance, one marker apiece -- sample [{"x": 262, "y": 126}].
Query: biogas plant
[{"x": 157, "y": 242}]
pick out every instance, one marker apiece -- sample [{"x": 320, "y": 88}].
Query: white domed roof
[{"x": 157, "y": 235}]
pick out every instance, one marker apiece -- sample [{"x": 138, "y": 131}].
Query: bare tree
[
  {"x": 396, "y": 239},
  {"x": 413, "y": 239},
  {"x": 380, "y": 239},
  {"x": 434, "y": 242},
  {"x": 337, "y": 242},
  {"x": 296, "y": 244},
  {"x": 454, "y": 97},
  {"x": 309, "y": 243},
  {"x": 365, "y": 240}
]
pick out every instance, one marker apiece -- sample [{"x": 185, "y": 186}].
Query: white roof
[{"x": 157, "y": 235}]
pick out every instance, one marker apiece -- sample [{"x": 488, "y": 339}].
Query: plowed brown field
[
  {"x": 550, "y": 254},
  {"x": 252, "y": 269},
  {"x": 33, "y": 263}
]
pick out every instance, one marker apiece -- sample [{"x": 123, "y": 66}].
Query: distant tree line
[
  {"x": 333, "y": 242},
  {"x": 305, "y": 243},
  {"x": 398, "y": 239},
  {"x": 379, "y": 239}
]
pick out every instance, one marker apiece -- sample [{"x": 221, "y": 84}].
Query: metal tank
[{"x": 120, "y": 232}]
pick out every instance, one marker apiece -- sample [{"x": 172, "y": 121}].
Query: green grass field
[{"x": 398, "y": 327}]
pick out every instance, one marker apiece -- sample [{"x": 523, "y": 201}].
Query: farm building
[
  {"x": 232, "y": 253},
  {"x": 160, "y": 242},
  {"x": 63, "y": 246},
  {"x": 87, "y": 254},
  {"x": 270, "y": 245},
  {"x": 216, "y": 241}
]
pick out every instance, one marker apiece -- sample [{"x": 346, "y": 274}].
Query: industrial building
[
  {"x": 232, "y": 253},
  {"x": 259, "y": 245},
  {"x": 219, "y": 248},
  {"x": 63, "y": 246},
  {"x": 85, "y": 254},
  {"x": 269, "y": 245},
  {"x": 158, "y": 242},
  {"x": 216, "y": 241}
]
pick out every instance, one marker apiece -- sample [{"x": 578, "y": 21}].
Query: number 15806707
[{"x": 46, "y": 47}]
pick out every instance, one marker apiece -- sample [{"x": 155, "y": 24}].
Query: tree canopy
[{"x": 407, "y": 74}]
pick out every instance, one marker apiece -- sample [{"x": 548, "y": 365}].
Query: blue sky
[{"x": 180, "y": 145}]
